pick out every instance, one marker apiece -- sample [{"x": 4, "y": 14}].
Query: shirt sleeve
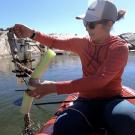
[
  {"x": 74, "y": 44},
  {"x": 116, "y": 61}
]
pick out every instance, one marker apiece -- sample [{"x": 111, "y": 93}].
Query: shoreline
[{"x": 5, "y": 51}]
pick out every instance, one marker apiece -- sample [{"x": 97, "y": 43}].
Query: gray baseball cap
[{"x": 100, "y": 10}]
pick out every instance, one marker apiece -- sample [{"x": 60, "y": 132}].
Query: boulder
[{"x": 130, "y": 38}]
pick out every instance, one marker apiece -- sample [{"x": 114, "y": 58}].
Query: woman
[{"x": 103, "y": 59}]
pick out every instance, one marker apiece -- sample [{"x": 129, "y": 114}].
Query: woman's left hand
[{"x": 41, "y": 89}]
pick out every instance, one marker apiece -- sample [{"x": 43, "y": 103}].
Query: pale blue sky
[{"x": 58, "y": 16}]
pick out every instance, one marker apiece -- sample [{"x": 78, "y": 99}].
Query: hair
[{"x": 121, "y": 14}]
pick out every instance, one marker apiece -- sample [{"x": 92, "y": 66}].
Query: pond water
[{"x": 62, "y": 68}]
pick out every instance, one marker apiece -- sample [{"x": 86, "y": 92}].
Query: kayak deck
[{"x": 47, "y": 128}]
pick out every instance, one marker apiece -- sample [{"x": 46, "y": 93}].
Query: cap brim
[
  {"x": 80, "y": 17},
  {"x": 88, "y": 18}
]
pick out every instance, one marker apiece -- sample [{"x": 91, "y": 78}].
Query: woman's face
[{"x": 97, "y": 30}]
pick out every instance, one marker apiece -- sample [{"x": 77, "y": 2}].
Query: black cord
[{"x": 59, "y": 102}]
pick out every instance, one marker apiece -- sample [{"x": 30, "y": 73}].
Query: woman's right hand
[
  {"x": 22, "y": 31},
  {"x": 40, "y": 89}
]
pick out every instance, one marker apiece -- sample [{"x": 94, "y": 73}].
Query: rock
[
  {"x": 130, "y": 38},
  {"x": 4, "y": 45}
]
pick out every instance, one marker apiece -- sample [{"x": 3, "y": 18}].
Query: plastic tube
[{"x": 40, "y": 69}]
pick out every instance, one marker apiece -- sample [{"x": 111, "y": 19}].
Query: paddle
[
  {"x": 18, "y": 102},
  {"x": 59, "y": 102}
]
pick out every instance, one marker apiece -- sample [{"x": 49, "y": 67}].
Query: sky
[{"x": 58, "y": 16}]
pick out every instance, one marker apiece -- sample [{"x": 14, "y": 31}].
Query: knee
[
  {"x": 60, "y": 126},
  {"x": 122, "y": 111},
  {"x": 120, "y": 118},
  {"x": 70, "y": 123}
]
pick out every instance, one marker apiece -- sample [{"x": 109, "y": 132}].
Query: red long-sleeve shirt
[{"x": 102, "y": 65}]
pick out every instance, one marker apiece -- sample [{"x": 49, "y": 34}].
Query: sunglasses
[{"x": 92, "y": 25}]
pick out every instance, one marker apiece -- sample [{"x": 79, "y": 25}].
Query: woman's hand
[
  {"x": 41, "y": 89},
  {"x": 22, "y": 31}
]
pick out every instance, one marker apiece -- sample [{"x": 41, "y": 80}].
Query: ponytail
[{"x": 121, "y": 14}]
